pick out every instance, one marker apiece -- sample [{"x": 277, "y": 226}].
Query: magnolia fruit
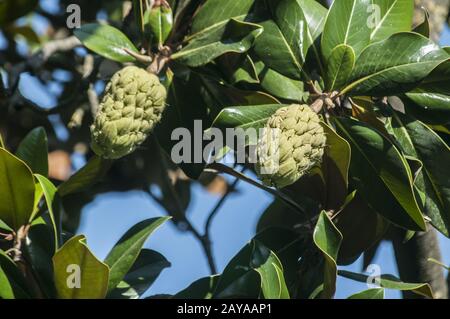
[
  {"x": 131, "y": 107},
  {"x": 292, "y": 142}
]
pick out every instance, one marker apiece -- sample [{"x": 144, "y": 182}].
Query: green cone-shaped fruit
[
  {"x": 133, "y": 103},
  {"x": 292, "y": 143}
]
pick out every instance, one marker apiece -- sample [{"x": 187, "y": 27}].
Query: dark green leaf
[
  {"x": 124, "y": 254},
  {"x": 378, "y": 170},
  {"x": 12, "y": 283},
  {"x": 39, "y": 249},
  {"x": 239, "y": 280},
  {"x": 279, "y": 85},
  {"x": 33, "y": 151},
  {"x": 346, "y": 24},
  {"x": 423, "y": 143},
  {"x": 395, "y": 65},
  {"x": 394, "y": 16},
  {"x": 145, "y": 270},
  {"x": 202, "y": 288},
  {"x": 234, "y": 36},
  {"x": 328, "y": 239},
  {"x": 254, "y": 116},
  {"x": 106, "y": 41},
  {"x": 361, "y": 228},
  {"x": 87, "y": 176},
  {"x": 160, "y": 22},
  {"x": 216, "y": 12}
]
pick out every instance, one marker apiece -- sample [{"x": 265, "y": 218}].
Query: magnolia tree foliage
[{"x": 358, "y": 93}]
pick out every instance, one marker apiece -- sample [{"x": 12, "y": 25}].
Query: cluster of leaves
[{"x": 233, "y": 63}]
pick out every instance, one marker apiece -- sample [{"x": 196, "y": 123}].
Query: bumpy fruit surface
[
  {"x": 292, "y": 143},
  {"x": 132, "y": 105}
]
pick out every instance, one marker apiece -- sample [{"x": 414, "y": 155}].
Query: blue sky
[{"x": 110, "y": 215}]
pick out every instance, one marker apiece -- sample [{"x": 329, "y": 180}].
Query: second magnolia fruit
[{"x": 292, "y": 143}]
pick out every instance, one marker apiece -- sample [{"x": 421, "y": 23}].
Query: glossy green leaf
[
  {"x": 315, "y": 14},
  {"x": 239, "y": 68},
  {"x": 378, "y": 170},
  {"x": 233, "y": 36},
  {"x": 17, "y": 190},
  {"x": 53, "y": 205},
  {"x": 388, "y": 17},
  {"x": 38, "y": 250},
  {"x": 125, "y": 252},
  {"x": 430, "y": 101},
  {"x": 346, "y": 23},
  {"x": 160, "y": 21},
  {"x": 78, "y": 273},
  {"x": 33, "y": 150},
  {"x": 279, "y": 85},
  {"x": 282, "y": 60},
  {"x": 339, "y": 67},
  {"x": 328, "y": 239},
  {"x": 106, "y": 41},
  {"x": 216, "y": 12},
  {"x": 239, "y": 280},
  {"x": 290, "y": 19},
  {"x": 202, "y": 288},
  {"x": 391, "y": 282},
  {"x": 423, "y": 143},
  {"x": 87, "y": 176},
  {"x": 374, "y": 293},
  {"x": 395, "y": 65},
  {"x": 2, "y": 144},
  {"x": 254, "y": 116}
]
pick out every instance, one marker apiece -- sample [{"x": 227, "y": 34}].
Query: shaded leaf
[
  {"x": 87, "y": 176},
  {"x": 125, "y": 252},
  {"x": 202, "y": 288},
  {"x": 378, "y": 170},
  {"x": 423, "y": 143},
  {"x": 254, "y": 270},
  {"x": 328, "y": 239},
  {"x": 33, "y": 150},
  {"x": 12, "y": 283}
]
